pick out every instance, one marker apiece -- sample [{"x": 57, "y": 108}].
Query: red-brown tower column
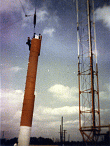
[{"x": 28, "y": 103}]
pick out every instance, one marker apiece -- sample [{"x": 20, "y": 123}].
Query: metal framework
[{"x": 89, "y": 110}]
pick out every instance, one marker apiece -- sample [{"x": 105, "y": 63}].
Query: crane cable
[
  {"x": 17, "y": 20},
  {"x": 22, "y": 7},
  {"x": 21, "y": 18}
]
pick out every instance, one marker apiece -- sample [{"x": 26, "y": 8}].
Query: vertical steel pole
[
  {"x": 78, "y": 62},
  {"x": 91, "y": 67},
  {"x": 98, "y": 94},
  {"x": 96, "y": 67},
  {"x": 60, "y": 134},
  {"x": 64, "y": 135},
  {"x": 62, "y": 128}
]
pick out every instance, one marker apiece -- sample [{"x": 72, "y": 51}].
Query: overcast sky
[{"x": 57, "y": 82}]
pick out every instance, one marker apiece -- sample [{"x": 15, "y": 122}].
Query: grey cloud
[{"x": 103, "y": 14}]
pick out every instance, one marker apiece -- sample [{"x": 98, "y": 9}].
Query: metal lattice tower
[{"x": 89, "y": 110}]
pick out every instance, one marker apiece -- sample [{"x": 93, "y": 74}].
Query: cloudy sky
[{"x": 57, "y": 82}]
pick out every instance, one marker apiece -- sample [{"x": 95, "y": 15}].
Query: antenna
[{"x": 34, "y": 20}]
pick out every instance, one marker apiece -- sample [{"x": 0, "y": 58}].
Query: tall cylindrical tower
[{"x": 28, "y": 103}]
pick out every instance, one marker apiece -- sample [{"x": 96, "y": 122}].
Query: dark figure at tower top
[{"x": 29, "y": 43}]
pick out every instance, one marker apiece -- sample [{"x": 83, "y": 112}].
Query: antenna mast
[
  {"x": 34, "y": 22},
  {"x": 89, "y": 111}
]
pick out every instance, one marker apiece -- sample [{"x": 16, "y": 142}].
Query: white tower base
[{"x": 24, "y": 136}]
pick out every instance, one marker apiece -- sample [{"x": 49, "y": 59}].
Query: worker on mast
[{"x": 29, "y": 43}]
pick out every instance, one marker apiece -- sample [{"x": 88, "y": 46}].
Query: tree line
[{"x": 48, "y": 141}]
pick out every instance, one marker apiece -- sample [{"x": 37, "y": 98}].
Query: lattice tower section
[{"x": 89, "y": 110}]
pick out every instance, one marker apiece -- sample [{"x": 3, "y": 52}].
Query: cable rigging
[
  {"x": 34, "y": 20},
  {"x": 24, "y": 9}
]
